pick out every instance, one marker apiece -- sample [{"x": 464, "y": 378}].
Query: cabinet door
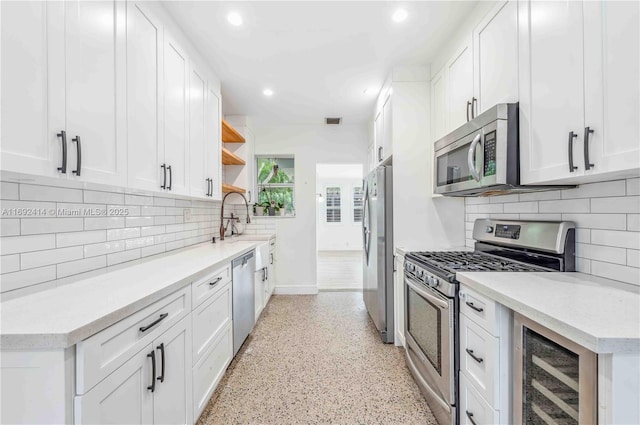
[
  {"x": 459, "y": 86},
  {"x": 122, "y": 397},
  {"x": 144, "y": 94},
  {"x": 378, "y": 138},
  {"x": 612, "y": 89},
  {"x": 173, "y": 396},
  {"x": 33, "y": 94},
  {"x": 496, "y": 57},
  {"x": 176, "y": 122},
  {"x": 387, "y": 138},
  {"x": 261, "y": 282},
  {"x": 213, "y": 141},
  {"x": 95, "y": 83},
  {"x": 439, "y": 105},
  {"x": 198, "y": 175},
  {"x": 551, "y": 89}
]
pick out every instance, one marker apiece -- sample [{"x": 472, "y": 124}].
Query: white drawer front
[
  {"x": 102, "y": 353},
  {"x": 479, "y": 358},
  {"x": 208, "y": 372},
  {"x": 209, "y": 320},
  {"x": 479, "y": 308},
  {"x": 210, "y": 284},
  {"x": 474, "y": 410}
]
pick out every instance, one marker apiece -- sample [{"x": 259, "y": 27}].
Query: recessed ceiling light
[
  {"x": 267, "y": 92},
  {"x": 400, "y": 15},
  {"x": 234, "y": 19}
]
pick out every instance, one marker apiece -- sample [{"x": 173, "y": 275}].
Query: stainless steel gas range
[{"x": 432, "y": 304}]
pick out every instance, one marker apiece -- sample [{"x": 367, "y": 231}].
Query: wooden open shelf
[
  {"x": 230, "y": 158},
  {"x": 230, "y": 135},
  {"x": 226, "y": 188}
]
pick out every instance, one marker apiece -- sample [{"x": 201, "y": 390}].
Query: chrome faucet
[{"x": 222, "y": 217}]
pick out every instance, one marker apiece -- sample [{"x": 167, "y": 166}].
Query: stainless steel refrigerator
[{"x": 377, "y": 232}]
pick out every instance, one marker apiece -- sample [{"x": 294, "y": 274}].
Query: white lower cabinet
[
  {"x": 474, "y": 409},
  {"x": 210, "y": 319}
]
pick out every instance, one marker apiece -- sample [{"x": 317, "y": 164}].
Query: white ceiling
[{"x": 318, "y": 57}]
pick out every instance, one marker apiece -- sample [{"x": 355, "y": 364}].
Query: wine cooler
[{"x": 555, "y": 379}]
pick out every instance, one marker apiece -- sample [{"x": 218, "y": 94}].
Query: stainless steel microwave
[{"x": 481, "y": 157}]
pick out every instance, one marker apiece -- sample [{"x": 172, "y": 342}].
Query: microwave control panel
[{"x": 490, "y": 153}]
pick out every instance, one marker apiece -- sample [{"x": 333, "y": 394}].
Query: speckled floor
[{"x": 317, "y": 360}]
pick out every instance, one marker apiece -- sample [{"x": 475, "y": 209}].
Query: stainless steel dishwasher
[{"x": 243, "y": 298}]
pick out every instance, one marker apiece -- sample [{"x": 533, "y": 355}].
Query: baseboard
[
  {"x": 295, "y": 290},
  {"x": 340, "y": 289}
]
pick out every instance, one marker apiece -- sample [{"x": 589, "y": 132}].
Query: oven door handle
[
  {"x": 471, "y": 157},
  {"x": 435, "y": 300}
]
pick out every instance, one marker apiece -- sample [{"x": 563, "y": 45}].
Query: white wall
[
  {"x": 343, "y": 236},
  {"x": 310, "y": 144}
]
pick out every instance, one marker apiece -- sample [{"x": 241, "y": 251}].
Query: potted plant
[
  {"x": 280, "y": 208},
  {"x": 257, "y": 209}
]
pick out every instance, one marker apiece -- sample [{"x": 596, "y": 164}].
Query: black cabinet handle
[
  {"x": 170, "y": 177},
  {"x": 271, "y": 258},
  {"x": 161, "y": 348},
  {"x": 572, "y": 136},
  {"x": 473, "y": 356},
  {"x": 474, "y": 104},
  {"x": 587, "y": 164},
  {"x": 63, "y": 138},
  {"x": 468, "y": 107},
  {"x": 208, "y": 180},
  {"x": 152, "y": 387},
  {"x": 215, "y": 282},
  {"x": 76, "y": 140},
  {"x": 160, "y": 319},
  {"x": 164, "y": 178},
  {"x": 379, "y": 153},
  {"x": 211, "y": 190},
  {"x": 478, "y": 309},
  {"x": 470, "y": 416}
]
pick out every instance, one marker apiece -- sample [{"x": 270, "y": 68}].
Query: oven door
[{"x": 429, "y": 333}]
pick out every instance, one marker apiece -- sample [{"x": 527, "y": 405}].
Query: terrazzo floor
[{"x": 317, "y": 359}]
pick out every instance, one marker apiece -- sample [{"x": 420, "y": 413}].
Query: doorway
[{"x": 339, "y": 205}]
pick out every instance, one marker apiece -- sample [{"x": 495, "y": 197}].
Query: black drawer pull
[
  {"x": 152, "y": 387},
  {"x": 215, "y": 282},
  {"x": 587, "y": 164},
  {"x": 468, "y": 107},
  {"x": 170, "y": 177},
  {"x": 572, "y": 136},
  {"x": 474, "y": 105},
  {"x": 164, "y": 176},
  {"x": 473, "y": 356},
  {"x": 161, "y": 348},
  {"x": 76, "y": 140},
  {"x": 63, "y": 137},
  {"x": 470, "y": 416},
  {"x": 160, "y": 319},
  {"x": 478, "y": 309}
]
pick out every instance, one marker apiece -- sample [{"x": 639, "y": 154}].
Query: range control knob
[
  {"x": 430, "y": 280},
  {"x": 436, "y": 282},
  {"x": 488, "y": 229}
]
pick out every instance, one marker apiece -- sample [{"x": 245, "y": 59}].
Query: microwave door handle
[{"x": 471, "y": 157}]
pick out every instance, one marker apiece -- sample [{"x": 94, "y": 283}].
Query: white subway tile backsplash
[
  {"x": 35, "y": 259},
  {"x": 80, "y": 210},
  {"x": 633, "y": 258},
  {"x": 139, "y": 242},
  {"x": 80, "y": 238},
  {"x": 598, "y": 221},
  {"x": 621, "y": 204},
  {"x": 103, "y": 248},
  {"x": 152, "y": 250},
  {"x": 521, "y": 207},
  {"x": 490, "y": 208},
  {"x": 583, "y": 265},
  {"x": 24, "y": 278},
  {"x": 609, "y": 254},
  {"x": 616, "y": 272},
  {"x": 175, "y": 244},
  {"x": 164, "y": 219},
  {"x": 20, "y": 244},
  {"x": 138, "y": 200},
  {"x": 9, "y": 190},
  {"x": 9, "y": 263},
  {"x": 595, "y": 190},
  {"x": 139, "y": 221},
  {"x": 164, "y": 202},
  {"x": 95, "y": 197},
  {"x": 32, "y": 226},
  {"x": 123, "y": 210},
  {"x": 503, "y": 199},
  {"x": 541, "y": 217},
  {"x": 475, "y": 201},
  {"x": 96, "y": 223},
  {"x": 633, "y": 187},
  {"x": 583, "y": 235},
  {"x": 9, "y": 226},
  {"x": 540, "y": 196},
  {"x": 121, "y": 257},
  {"x": 30, "y": 192},
  {"x": 616, "y": 238},
  {"x": 115, "y": 234},
  {"x": 80, "y": 266},
  {"x": 564, "y": 206},
  {"x": 147, "y": 210},
  {"x": 633, "y": 222},
  {"x": 152, "y": 230}
]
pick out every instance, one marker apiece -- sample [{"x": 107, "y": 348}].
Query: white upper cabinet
[
  {"x": 176, "y": 122},
  {"x": 96, "y": 89},
  {"x": 460, "y": 102},
  {"x": 198, "y": 176},
  {"x": 439, "y": 105},
  {"x": 387, "y": 132},
  {"x": 144, "y": 94},
  {"x": 612, "y": 86},
  {"x": 33, "y": 93},
  {"x": 495, "y": 62},
  {"x": 378, "y": 129},
  {"x": 579, "y": 117},
  {"x": 213, "y": 142}
]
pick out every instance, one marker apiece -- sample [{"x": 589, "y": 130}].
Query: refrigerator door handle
[{"x": 366, "y": 233}]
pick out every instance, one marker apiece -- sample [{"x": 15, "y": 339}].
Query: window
[
  {"x": 357, "y": 204},
  {"x": 334, "y": 206},
  {"x": 275, "y": 183}
]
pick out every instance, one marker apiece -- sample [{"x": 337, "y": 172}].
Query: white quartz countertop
[
  {"x": 599, "y": 314},
  {"x": 60, "y": 317}
]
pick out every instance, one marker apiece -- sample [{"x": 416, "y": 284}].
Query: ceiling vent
[{"x": 333, "y": 121}]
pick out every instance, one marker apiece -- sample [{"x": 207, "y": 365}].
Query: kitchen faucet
[{"x": 222, "y": 217}]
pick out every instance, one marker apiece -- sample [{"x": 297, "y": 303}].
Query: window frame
[
  {"x": 327, "y": 208},
  {"x": 354, "y": 207},
  {"x": 258, "y": 186}
]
